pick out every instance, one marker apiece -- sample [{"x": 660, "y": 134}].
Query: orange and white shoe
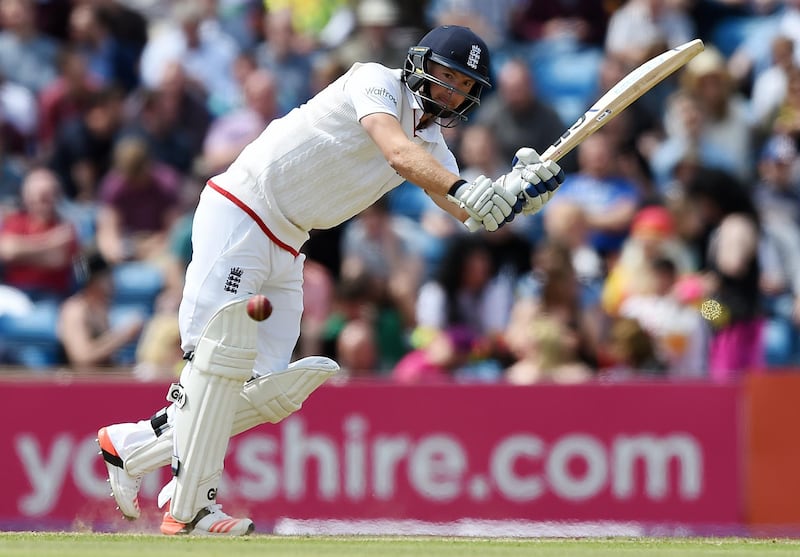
[
  {"x": 210, "y": 521},
  {"x": 124, "y": 487}
]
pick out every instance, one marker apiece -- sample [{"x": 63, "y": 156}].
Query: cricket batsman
[{"x": 315, "y": 168}]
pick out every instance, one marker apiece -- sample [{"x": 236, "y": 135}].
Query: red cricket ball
[{"x": 259, "y": 307}]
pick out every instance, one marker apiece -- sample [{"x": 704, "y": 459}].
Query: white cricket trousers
[{"x": 232, "y": 257}]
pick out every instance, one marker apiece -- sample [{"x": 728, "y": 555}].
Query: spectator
[
  {"x": 787, "y": 117},
  {"x": 84, "y": 326},
  {"x": 777, "y": 198},
  {"x": 640, "y": 127},
  {"x": 37, "y": 246},
  {"x": 771, "y": 85},
  {"x": 725, "y": 110},
  {"x": 315, "y": 24},
  {"x": 479, "y": 153},
  {"x": 552, "y": 289},
  {"x": 517, "y": 117},
  {"x": 632, "y": 352},
  {"x": 158, "y": 351},
  {"x": 442, "y": 359},
  {"x": 19, "y": 117},
  {"x": 318, "y": 299},
  {"x": 653, "y": 236},
  {"x": 384, "y": 248},
  {"x": 139, "y": 202},
  {"x": 566, "y": 224},
  {"x": 325, "y": 69},
  {"x": 67, "y": 96},
  {"x": 510, "y": 249},
  {"x": 110, "y": 60},
  {"x": 27, "y": 56},
  {"x": 752, "y": 54},
  {"x": 545, "y": 352},
  {"x": 173, "y": 117},
  {"x": 581, "y": 22},
  {"x": 278, "y": 54},
  {"x": 240, "y": 19},
  {"x": 737, "y": 345},
  {"x": 244, "y": 65},
  {"x": 688, "y": 144},
  {"x": 204, "y": 50},
  {"x": 729, "y": 239},
  {"x": 377, "y": 37},
  {"x": 608, "y": 200},
  {"x": 231, "y": 133},
  {"x": 640, "y": 28},
  {"x": 363, "y": 333},
  {"x": 12, "y": 171},
  {"x": 675, "y": 327},
  {"x": 709, "y": 196},
  {"x": 465, "y": 291},
  {"x": 490, "y": 20},
  {"x": 83, "y": 144}
]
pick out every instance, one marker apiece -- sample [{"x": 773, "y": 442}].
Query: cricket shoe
[
  {"x": 210, "y": 521},
  {"x": 124, "y": 487}
]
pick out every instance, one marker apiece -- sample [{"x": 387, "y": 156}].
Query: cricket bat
[{"x": 617, "y": 99}]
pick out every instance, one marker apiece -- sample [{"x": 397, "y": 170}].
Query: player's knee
[{"x": 227, "y": 346}]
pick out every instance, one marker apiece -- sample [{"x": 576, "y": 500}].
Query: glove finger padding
[
  {"x": 501, "y": 189},
  {"x": 476, "y": 198},
  {"x": 504, "y": 203},
  {"x": 533, "y": 180},
  {"x": 533, "y": 205},
  {"x": 480, "y": 200},
  {"x": 489, "y": 223},
  {"x": 525, "y": 156},
  {"x": 498, "y": 214}
]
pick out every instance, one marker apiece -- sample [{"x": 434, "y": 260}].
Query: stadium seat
[
  {"x": 31, "y": 340},
  {"x": 137, "y": 283},
  {"x": 731, "y": 32},
  {"x": 567, "y": 79}
]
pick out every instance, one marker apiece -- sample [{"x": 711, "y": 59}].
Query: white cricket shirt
[{"x": 317, "y": 167}]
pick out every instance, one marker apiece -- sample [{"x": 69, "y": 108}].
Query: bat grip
[{"x": 472, "y": 224}]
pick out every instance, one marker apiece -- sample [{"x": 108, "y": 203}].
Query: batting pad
[
  {"x": 270, "y": 398},
  {"x": 266, "y": 399},
  {"x": 222, "y": 361}
]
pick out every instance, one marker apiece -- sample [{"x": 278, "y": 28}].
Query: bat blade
[{"x": 618, "y": 98}]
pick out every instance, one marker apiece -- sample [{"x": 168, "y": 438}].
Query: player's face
[{"x": 459, "y": 85}]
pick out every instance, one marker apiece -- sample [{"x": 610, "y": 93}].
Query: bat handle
[{"x": 472, "y": 224}]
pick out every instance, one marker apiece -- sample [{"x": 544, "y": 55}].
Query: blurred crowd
[{"x": 672, "y": 249}]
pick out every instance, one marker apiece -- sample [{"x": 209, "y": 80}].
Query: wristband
[{"x": 454, "y": 188}]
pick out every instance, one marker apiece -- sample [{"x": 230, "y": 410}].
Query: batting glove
[
  {"x": 487, "y": 202},
  {"x": 538, "y": 180}
]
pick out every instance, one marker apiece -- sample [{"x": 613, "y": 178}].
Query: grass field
[{"x": 119, "y": 545}]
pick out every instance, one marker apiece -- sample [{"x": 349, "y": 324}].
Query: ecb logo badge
[{"x": 474, "y": 57}]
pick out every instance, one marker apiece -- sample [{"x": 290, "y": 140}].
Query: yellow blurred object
[
  {"x": 715, "y": 313},
  {"x": 158, "y": 354},
  {"x": 309, "y": 17}
]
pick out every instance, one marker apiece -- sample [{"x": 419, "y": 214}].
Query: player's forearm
[
  {"x": 419, "y": 167},
  {"x": 449, "y": 207},
  {"x": 422, "y": 169}
]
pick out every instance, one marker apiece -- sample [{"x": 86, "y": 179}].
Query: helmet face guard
[{"x": 454, "y": 47}]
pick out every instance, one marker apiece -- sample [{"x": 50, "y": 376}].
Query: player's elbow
[{"x": 397, "y": 159}]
